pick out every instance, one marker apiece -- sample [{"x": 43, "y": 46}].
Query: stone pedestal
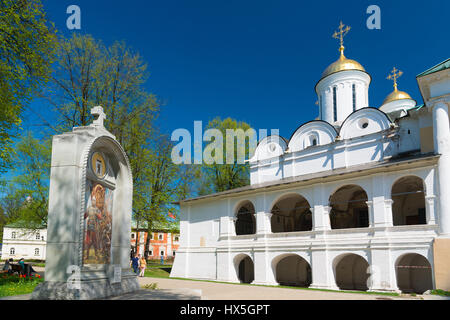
[{"x": 89, "y": 218}]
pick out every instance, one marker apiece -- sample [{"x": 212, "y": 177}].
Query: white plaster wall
[{"x": 380, "y": 244}]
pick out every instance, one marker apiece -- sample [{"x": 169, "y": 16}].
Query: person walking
[
  {"x": 142, "y": 266},
  {"x": 7, "y": 266},
  {"x": 135, "y": 263}
]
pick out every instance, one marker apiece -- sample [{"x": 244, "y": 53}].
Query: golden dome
[
  {"x": 342, "y": 64},
  {"x": 396, "y": 95}
]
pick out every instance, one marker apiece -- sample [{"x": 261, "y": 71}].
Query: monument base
[{"x": 89, "y": 290}]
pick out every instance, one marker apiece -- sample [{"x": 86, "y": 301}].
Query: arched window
[
  {"x": 245, "y": 219},
  {"x": 334, "y": 104},
  {"x": 13, "y": 235},
  {"x": 354, "y": 97},
  {"x": 408, "y": 207},
  {"x": 313, "y": 139},
  {"x": 349, "y": 208},
  {"x": 291, "y": 213},
  {"x": 36, "y": 251},
  {"x": 12, "y": 251}
]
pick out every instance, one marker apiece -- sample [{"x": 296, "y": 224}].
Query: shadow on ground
[{"x": 160, "y": 294}]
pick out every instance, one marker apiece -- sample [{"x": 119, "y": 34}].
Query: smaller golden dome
[
  {"x": 342, "y": 64},
  {"x": 396, "y": 95}
]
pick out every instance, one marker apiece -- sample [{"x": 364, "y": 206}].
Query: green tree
[
  {"x": 164, "y": 183},
  {"x": 27, "y": 42},
  {"x": 232, "y": 172},
  {"x": 26, "y": 199}
]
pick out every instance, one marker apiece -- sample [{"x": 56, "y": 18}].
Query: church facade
[{"x": 356, "y": 199}]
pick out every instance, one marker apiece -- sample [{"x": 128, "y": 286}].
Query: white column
[
  {"x": 441, "y": 130},
  {"x": 321, "y": 218},
  {"x": 263, "y": 222},
  {"x": 328, "y": 105},
  {"x": 382, "y": 271},
  {"x": 388, "y": 212},
  {"x": 430, "y": 209},
  {"x": 263, "y": 268},
  {"x": 371, "y": 214},
  {"x": 322, "y": 271}
]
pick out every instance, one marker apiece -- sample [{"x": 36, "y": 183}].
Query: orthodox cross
[
  {"x": 341, "y": 34},
  {"x": 99, "y": 115},
  {"x": 394, "y": 75}
]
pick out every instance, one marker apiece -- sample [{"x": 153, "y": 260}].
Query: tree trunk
[{"x": 147, "y": 241}]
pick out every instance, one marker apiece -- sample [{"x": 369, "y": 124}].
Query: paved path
[
  {"x": 225, "y": 291},
  {"x": 175, "y": 289}
]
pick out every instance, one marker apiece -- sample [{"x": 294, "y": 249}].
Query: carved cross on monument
[
  {"x": 99, "y": 116},
  {"x": 394, "y": 75}
]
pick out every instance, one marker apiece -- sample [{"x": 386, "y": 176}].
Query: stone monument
[{"x": 89, "y": 217}]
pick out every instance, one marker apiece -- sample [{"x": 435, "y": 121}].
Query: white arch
[
  {"x": 286, "y": 195},
  {"x": 363, "y": 122},
  {"x": 269, "y": 147},
  {"x": 322, "y": 130}
]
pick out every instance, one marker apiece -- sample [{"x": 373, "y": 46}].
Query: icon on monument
[
  {"x": 98, "y": 164},
  {"x": 97, "y": 223}
]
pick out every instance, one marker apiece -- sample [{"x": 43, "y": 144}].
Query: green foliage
[
  {"x": 150, "y": 286},
  {"x": 231, "y": 174},
  {"x": 13, "y": 284},
  {"x": 26, "y": 199},
  {"x": 86, "y": 74},
  {"x": 27, "y": 44},
  {"x": 161, "y": 183},
  {"x": 440, "y": 292}
]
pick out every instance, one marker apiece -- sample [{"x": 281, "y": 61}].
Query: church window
[
  {"x": 132, "y": 236},
  {"x": 150, "y": 253},
  {"x": 36, "y": 251},
  {"x": 313, "y": 140},
  {"x": 160, "y": 237},
  {"x": 334, "y": 104},
  {"x": 363, "y": 123},
  {"x": 13, "y": 235},
  {"x": 162, "y": 253},
  {"x": 38, "y": 236},
  {"x": 12, "y": 251},
  {"x": 354, "y": 96}
]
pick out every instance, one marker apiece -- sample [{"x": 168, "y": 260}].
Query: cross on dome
[
  {"x": 341, "y": 34},
  {"x": 394, "y": 75},
  {"x": 99, "y": 115}
]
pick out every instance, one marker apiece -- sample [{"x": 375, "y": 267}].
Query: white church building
[{"x": 358, "y": 199}]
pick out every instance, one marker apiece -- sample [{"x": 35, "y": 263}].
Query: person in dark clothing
[
  {"x": 7, "y": 266},
  {"x": 135, "y": 263}
]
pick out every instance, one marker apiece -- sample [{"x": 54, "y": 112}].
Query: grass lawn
[
  {"x": 13, "y": 285},
  {"x": 158, "y": 272}
]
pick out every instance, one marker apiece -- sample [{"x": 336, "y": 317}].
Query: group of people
[
  {"x": 7, "y": 267},
  {"x": 138, "y": 263}
]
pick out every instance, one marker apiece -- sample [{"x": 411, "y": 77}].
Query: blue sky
[{"x": 258, "y": 61}]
